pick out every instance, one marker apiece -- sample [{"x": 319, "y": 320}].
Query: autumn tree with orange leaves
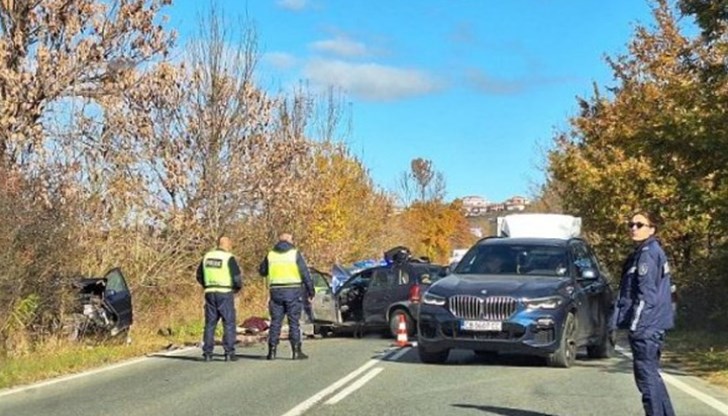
[{"x": 654, "y": 142}]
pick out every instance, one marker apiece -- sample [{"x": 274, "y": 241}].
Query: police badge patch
[
  {"x": 642, "y": 269},
  {"x": 213, "y": 263}
]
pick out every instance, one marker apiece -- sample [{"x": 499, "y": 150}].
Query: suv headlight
[
  {"x": 549, "y": 302},
  {"x": 433, "y": 299}
]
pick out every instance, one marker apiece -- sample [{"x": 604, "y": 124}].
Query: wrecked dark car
[
  {"x": 377, "y": 298},
  {"x": 103, "y": 306}
]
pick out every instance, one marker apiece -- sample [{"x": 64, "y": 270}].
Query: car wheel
[
  {"x": 566, "y": 353},
  {"x": 324, "y": 331},
  {"x": 429, "y": 357},
  {"x": 394, "y": 318},
  {"x": 605, "y": 348}
]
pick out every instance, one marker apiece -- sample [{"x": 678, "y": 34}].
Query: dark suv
[
  {"x": 532, "y": 296},
  {"x": 375, "y": 298}
]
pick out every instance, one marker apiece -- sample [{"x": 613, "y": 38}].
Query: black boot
[
  {"x": 271, "y": 352},
  {"x": 298, "y": 354}
]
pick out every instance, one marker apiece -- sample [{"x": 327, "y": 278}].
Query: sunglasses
[{"x": 637, "y": 224}]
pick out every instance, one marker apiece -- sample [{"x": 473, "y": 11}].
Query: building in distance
[{"x": 476, "y": 206}]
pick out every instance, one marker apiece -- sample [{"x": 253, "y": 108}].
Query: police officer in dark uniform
[
  {"x": 644, "y": 307},
  {"x": 286, "y": 273},
  {"x": 221, "y": 277}
]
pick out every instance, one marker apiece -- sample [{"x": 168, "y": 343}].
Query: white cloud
[
  {"x": 280, "y": 60},
  {"x": 370, "y": 81},
  {"x": 292, "y": 4},
  {"x": 340, "y": 46}
]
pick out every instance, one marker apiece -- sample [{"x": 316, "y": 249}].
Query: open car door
[
  {"x": 325, "y": 307},
  {"x": 118, "y": 298}
]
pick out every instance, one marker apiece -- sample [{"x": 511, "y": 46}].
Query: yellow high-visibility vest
[
  {"x": 283, "y": 269},
  {"x": 217, "y": 277}
]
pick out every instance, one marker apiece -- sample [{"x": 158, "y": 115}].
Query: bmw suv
[{"x": 531, "y": 296}]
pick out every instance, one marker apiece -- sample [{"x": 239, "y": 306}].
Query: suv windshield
[{"x": 520, "y": 259}]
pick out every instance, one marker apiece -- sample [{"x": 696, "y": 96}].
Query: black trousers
[
  {"x": 285, "y": 302},
  {"x": 219, "y": 306}
]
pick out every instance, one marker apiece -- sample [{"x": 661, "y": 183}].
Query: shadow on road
[
  {"x": 503, "y": 411},
  {"x": 617, "y": 364},
  {"x": 216, "y": 357}
]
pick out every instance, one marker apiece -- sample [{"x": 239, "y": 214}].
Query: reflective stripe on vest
[
  {"x": 216, "y": 272},
  {"x": 283, "y": 269}
]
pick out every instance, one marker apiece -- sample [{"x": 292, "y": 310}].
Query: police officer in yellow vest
[
  {"x": 286, "y": 273},
  {"x": 220, "y": 276}
]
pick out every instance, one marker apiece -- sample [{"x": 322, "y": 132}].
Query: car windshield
[{"x": 515, "y": 259}]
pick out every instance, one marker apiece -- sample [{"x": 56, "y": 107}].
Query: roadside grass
[
  {"x": 699, "y": 352},
  {"x": 177, "y": 324},
  {"x": 64, "y": 357}
]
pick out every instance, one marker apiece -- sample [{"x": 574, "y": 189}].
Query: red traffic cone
[{"x": 402, "y": 340}]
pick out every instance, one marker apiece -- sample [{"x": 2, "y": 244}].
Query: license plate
[{"x": 481, "y": 326}]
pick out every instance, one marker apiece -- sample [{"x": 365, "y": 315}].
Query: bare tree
[{"x": 421, "y": 183}]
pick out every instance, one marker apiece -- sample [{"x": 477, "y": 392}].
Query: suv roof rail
[{"x": 488, "y": 238}]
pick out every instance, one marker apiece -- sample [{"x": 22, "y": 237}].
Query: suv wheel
[
  {"x": 565, "y": 355},
  {"x": 394, "y": 318},
  {"x": 605, "y": 348},
  {"x": 428, "y": 357}
]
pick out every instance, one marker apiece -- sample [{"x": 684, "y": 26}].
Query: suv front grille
[{"x": 491, "y": 308}]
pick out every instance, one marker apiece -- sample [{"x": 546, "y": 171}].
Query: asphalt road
[{"x": 347, "y": 376}]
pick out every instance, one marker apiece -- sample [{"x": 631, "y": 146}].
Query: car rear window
[
  {"x": 428, "y": 274},
  {"x": 521, "y": 259}
]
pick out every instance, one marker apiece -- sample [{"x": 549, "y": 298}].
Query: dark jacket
[
  {"x": 282, "y": 247},
  {"x": 644, "y": 305},
  {"x": 237, "y": 275}
]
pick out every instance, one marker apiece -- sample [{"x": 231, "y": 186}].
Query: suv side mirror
[{"x": 588, "y": 274}]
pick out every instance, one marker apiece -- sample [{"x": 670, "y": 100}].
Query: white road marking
[
  {"x": 354, "y": 386},
  {"x": 304, "y": 406},
  {"x": 675, "y": 382},
  {"x": 90, "y": 372}
]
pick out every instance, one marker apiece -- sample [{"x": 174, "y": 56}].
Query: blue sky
[{"x": 478, "y": 87}]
